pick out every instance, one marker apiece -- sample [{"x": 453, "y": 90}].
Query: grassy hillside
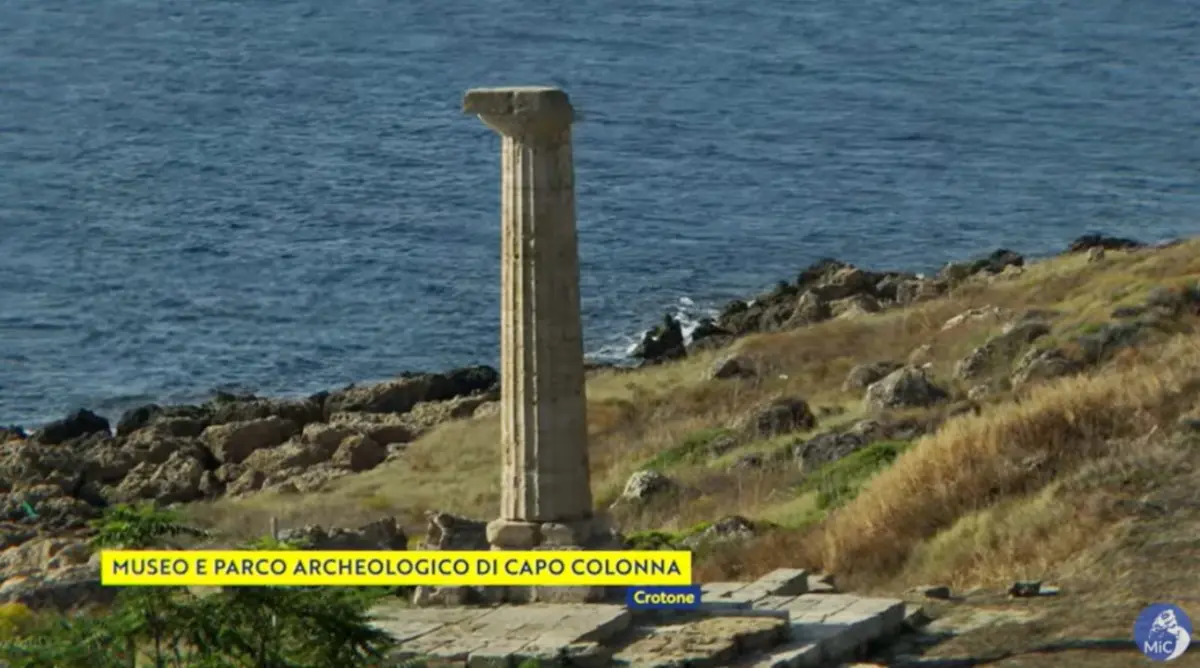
[{"x": 1046, "y": 479}]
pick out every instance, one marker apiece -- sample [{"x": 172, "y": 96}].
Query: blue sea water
[{"x": 282, "y": 195}]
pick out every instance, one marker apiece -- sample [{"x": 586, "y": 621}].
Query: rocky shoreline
[
  {"x": 56, "y": 479},
  {"x": 830, "y": 289}
]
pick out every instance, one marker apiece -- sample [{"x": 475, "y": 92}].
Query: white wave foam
[{"x": 685, "y": 310}]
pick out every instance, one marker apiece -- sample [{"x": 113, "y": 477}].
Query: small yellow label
[{"x": 298, "y": 568}]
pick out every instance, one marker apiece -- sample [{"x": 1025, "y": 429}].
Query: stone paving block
[
  {"x": 820, "y": 584},
  {"x": 723, "y": 595},
  {"x": 597, "y": 623},
  {"x": 762, "y": 638},
  {"x": 497, "y": 653},
  {"x": 785, "y": 581},
  {"x": 404, "y": 631},
  {"x": 792, "y": 655},
  {"x": 773, "y": 603}
]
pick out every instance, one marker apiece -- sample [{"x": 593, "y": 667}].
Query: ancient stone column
[{"x": 546, "y": 497}]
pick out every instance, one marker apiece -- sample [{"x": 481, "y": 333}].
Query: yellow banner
[{"x": 388, "y": 568}]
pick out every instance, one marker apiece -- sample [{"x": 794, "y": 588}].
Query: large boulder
[
  {"x": 906, "y": 387},
  {"x": 828, "y": 447},
  {"x": 178, "y": 479},
  {"x": 665, "y": 342},
  {"x": 64, "y": 589},
  {"x": 12, "y": 433},
  {"x": 384, "y": 534},
  {"x": 235, "y": 441},
  {"x": 862, "y": 375},
  {"x": 781, "y": 415},
  {"x": 644, "y": 485},
  {"x": 177, "y": 420},
  {"x": 399, "y": 395},
  {"x": 78, "y": 424},
  {"x": 1043, "y": 365},
  {"x": 451, "y": 532},
  {"x": 226, "y": 408},
  {"x": 359, "y": 453},
  {"x": 809, "y": 309},
  {"x": 29, "y": 462},
  {"x": 732, "y": 366},
  {"x": 1000, "y": 350},
  {"x": 1094, "y": 240}
]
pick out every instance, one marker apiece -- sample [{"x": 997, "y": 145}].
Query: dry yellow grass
[{"x": 985, "y": 498}]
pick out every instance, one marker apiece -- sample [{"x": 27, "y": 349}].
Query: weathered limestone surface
[
  {"x": 546, "y": 499},
  {"x": 542, "y": 409},
  {"x": 762, "y": 623}
]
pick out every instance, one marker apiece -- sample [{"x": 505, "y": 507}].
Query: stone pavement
[{"x": 786, "y": 618}]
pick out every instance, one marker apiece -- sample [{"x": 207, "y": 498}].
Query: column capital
[{"x": 526, "y": 113}]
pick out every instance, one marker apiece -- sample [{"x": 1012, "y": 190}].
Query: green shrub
[
  {"x": 692, "y": 449},
  {"x": 263, "y": 627},
  {"x": 838, "y": 482}
]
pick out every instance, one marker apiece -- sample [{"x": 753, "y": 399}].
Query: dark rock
[
  {"x": 781, "y": 416},
  {"x": 809, "y": 309},
  {"x": 863, "y": 375},
  {"x": 1126, "y": 312},
  {"x": 643, "y": 485},
  {"x": 455, "y": 533},
  {"x": 996, "y": 262},
  {"x": 1093, "y": 240},
  {"x": 918, "y": 290},
  {"x": 359, "y": 453},
  {"x": 251, "y": 408},
  {"x": 1100, "y": 344},
  {"x": 63, "y": 589},
  {"x": 401, "y": 394},
  {"x": 185, "y": 420},
  {"x": 383, "y": 534},
  {"x": 75, "y": 425},
  {"x": 708, "y": 329},
  {"x": 825, "y": 448},
  {"x": 819, "y": 272},
  {"x": 1040, "y": 365},
  {"x": 462, "y": 382},
  {"x": 904, "y": 388},
  {"x": 662, "y": 343},
  {"x": 27, "y": 462},
  {"x": 12, "y": 433},
  {"x": 177, "y": 480},
  {"x": 729, "y": 529},
  {"x": 1000, "y": 350},
  {"x": 732, "y": 366},
  {"x": 235, "y": 441}
]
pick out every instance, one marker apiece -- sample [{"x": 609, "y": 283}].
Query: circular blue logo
[{"x": 1162, "y": 632}]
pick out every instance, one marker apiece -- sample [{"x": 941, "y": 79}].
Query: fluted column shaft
[{"x": 543, "y": 406}]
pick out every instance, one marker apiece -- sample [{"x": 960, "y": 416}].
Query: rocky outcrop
[
  {"x": 1093, "y": 240},
  {"x": 1000, "y": 350},
  {"x": 664, "y": 342},
  {"x": 78, "y": 424},
  {"x": 826, "y": 289},
  {"x": 906, "y": 387},
  {"x": 644, "y": 485},
  {"x": 384, "y": 534},
  {"x": 69, "y": 470},
  {"x": 863, "y": 375},
  {"x": 732, "y": 366},
  {"x": 1041, "y": 365},
  {"x": 781, "y": 415},
  {"x": 728, "y": 529}
]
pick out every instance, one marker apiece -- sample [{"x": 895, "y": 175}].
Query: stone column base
[{"x": 594, "y": 534}]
